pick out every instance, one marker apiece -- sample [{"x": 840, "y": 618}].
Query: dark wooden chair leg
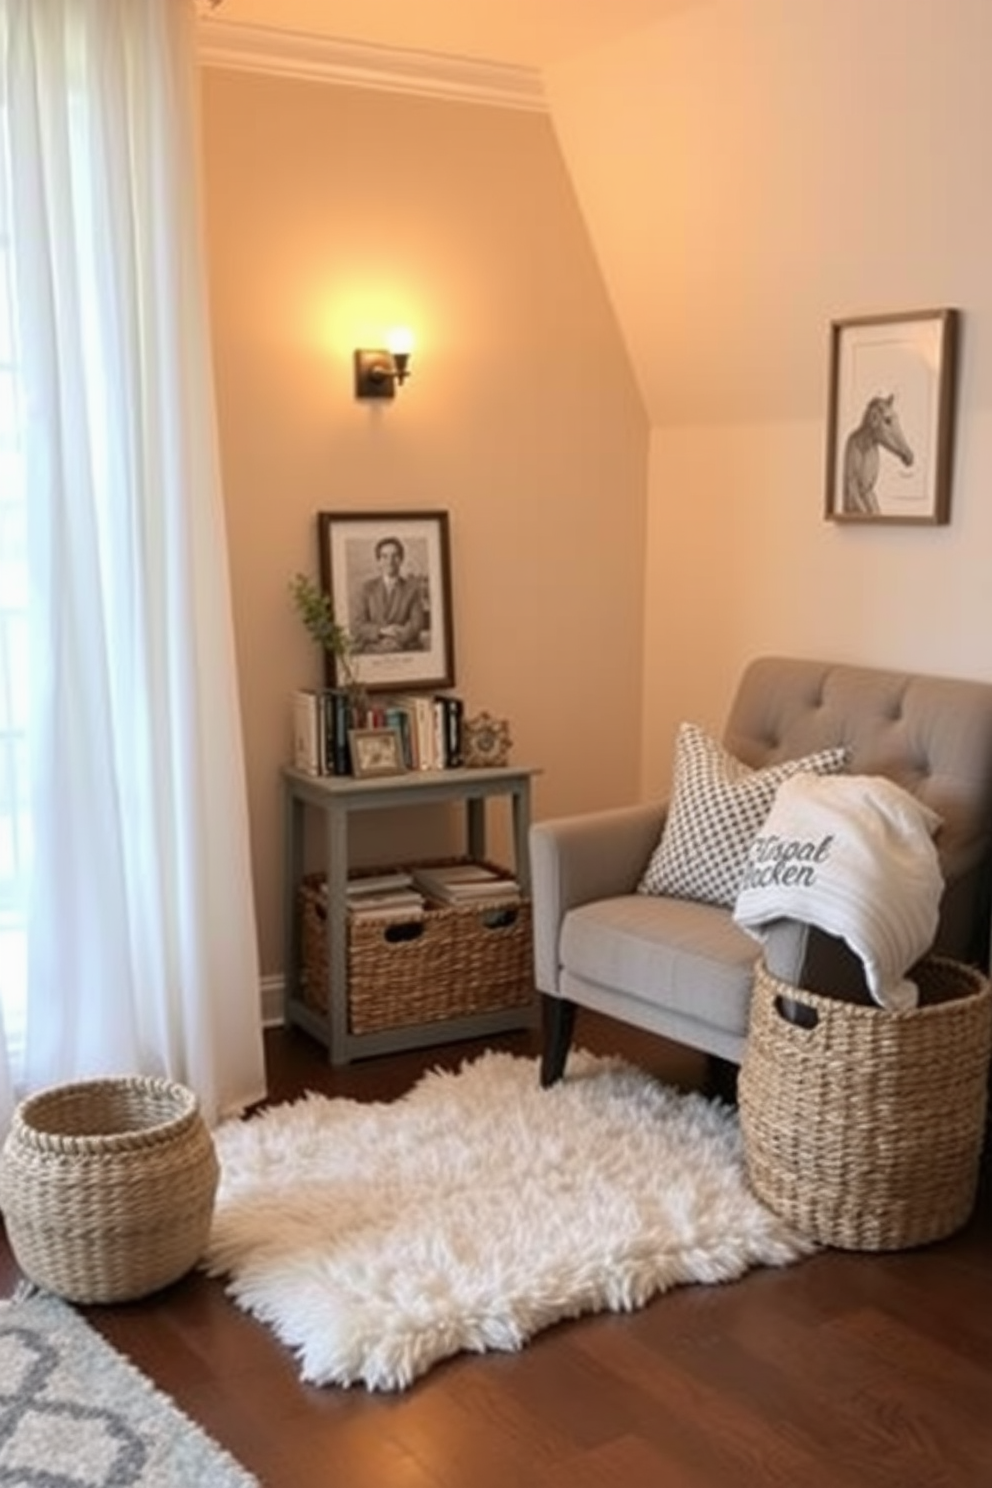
[
  {"x": 721, "y": 1079},
  {"x": 559, "y": 1025}
]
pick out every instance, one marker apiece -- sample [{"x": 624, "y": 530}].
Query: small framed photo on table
[
  {"x": 376, "y": 752},
  {"x": 389, "y": 578}
]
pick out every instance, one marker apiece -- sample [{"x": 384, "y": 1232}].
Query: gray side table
[{"x": 337, "y": 797}]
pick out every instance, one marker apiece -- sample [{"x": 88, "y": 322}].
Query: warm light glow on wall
[
  {"x": 383, "y": 315},
  {"x": 366, "y": 318}
]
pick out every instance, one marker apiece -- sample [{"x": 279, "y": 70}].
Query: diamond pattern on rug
[
  {"x": 42, "y": 1432},
  {"x": 75, "y": 1414}
]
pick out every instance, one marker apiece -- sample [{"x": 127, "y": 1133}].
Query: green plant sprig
[{"x": 314, "y": 607}]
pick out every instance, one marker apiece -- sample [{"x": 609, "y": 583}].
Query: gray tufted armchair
[{"x": 683, "y": 969}]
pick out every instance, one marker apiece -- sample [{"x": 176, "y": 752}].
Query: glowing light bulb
[{"x": 400, "y": 341}]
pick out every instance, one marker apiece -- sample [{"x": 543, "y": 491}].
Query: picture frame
[
  {"x": 486, "y": 741},
  {"x": 376, "y": 751},
  {"x": 890, "y": 417},
  {"x": 388, "y": 575}
]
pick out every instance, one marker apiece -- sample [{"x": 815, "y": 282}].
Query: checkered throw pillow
[{"x": 718, "y": 805}]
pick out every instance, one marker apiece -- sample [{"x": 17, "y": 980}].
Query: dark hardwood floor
[{"x": 845, "y": 1371}]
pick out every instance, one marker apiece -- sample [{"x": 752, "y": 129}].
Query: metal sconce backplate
[{"x": 375, "y": 374}]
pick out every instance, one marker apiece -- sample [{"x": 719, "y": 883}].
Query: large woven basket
[
  {"x": 107, "y": 1187},
  {"x": 447, "y": 963},
  {"x": 865, "y": 1130}
]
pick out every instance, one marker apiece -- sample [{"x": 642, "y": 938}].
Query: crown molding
[{"x": 359, "y": 64}]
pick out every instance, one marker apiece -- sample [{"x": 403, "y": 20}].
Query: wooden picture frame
[
  {"x": 376, "y": 751},
  {"x": 389, "y": 578},
  {"x": 890, "y": 418}
]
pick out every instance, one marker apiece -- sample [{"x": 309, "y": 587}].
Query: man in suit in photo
[{"x": 389, "y": 614}]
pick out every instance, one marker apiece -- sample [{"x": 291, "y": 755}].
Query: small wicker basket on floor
[
  {"x": 107, "y": 1187},
  {"x": 865, "y": 1130}
]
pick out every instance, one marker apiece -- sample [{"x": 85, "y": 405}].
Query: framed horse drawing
[{"x": 890, "y": 417}]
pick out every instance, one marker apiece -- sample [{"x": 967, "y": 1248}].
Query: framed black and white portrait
[{"x": 389, "y": 578}]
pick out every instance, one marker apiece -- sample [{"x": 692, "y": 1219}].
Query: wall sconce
[{"x": 377, "y": 373}]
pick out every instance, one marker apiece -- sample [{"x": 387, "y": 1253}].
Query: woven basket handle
[
  {"x": 402, "y": 931},
  {"x": 793, "y": 1010},
  {"x": 500, "y": 917}
]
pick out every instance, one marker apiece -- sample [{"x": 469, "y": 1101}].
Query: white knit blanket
[{"x": 854, "y": 856}]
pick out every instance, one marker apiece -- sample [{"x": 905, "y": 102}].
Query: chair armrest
[{"x": 578, "y": 859}]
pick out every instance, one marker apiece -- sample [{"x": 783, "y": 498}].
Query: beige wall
[
  {"x": 333, "y": 213},
  {"x": 749, "y": 172}
]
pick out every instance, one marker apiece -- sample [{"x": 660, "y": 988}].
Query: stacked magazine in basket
[
  {"x": 385, "y": 896},
  {"x": 406, "y": 893},
  {"x": 465, "y": 883}
]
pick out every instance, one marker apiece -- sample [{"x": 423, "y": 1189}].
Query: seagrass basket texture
[
  {"x": 866, "y": 1129},
  {"x": 107, "y": 1187},
  {"x": 451, "y": 962}
]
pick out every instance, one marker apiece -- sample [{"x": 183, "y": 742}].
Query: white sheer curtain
[{"x": 122, "y": 798}]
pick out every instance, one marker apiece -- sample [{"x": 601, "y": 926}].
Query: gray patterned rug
[{"x": 76, "y": 1414}]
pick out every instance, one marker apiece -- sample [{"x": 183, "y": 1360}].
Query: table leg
[
  {"x": 521, "y": 833},
  {"x": 293, "y": 819},
  {"x": 337, "y": 934},
  {"x": 475, "y": 813}
]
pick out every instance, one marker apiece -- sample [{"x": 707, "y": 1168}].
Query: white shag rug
[{"x": 377, "y": 1239}]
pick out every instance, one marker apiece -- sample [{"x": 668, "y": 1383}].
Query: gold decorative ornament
[{"x": 486, "y": 741}]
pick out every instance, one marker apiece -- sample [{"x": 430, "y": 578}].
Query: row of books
[
  {"x": 407, "y": 893},
  {"x": 429, "y": 727}
]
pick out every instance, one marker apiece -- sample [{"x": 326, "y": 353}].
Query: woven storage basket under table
[
  {"x": 865, "y": 1130},
  {"x": 107, "y": 1187},
  {"x": 450, "y": 962}
]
